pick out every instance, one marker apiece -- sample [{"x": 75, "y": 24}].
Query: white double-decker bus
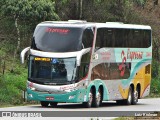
[{"x": 83, "y": 62}]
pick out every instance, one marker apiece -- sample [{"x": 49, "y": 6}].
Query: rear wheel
[
  {"x": 129, "y": 100},
  {"x": 135, "y": 97},
  {"x": 97, "y": 100},
  {"x": 44, "y": 104},
  {"x": 89, "y": 103},
  {"x": 53, "y": 104}
]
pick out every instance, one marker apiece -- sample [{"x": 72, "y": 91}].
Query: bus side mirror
[{"x": 22, "y": 56}]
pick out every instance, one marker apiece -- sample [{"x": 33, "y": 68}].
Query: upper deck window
[{"x": 123, "y": 38}]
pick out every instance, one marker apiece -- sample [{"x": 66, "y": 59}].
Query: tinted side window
[
  {"x": 116, "y": 37},
  {"x": 99, "y": 41},
  {"x": 119, "y": 38},
  {"x": 87, "y": 38},
  {"x": 109, "y": 38},
  {"x": 84, "y": 67},
  {"x": 105, "y": 38},
  {"x": 147, "y": 38},
  {"x": 139, "y": 38}
]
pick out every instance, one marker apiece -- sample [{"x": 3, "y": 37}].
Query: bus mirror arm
[
  {"x": 22, "y": 56},
  {"x": 79, "y": 55}
]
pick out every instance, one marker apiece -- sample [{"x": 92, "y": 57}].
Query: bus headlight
[{"x": 30, "y": 95}]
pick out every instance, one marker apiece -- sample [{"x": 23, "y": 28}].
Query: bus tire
[
  {"x": 44, "y": 104},
  {"x": 135, "y": 97},
  {"x": 89, "y": 103},
  {"x": 129, "y": 99},
  {"x": 97, "y": 99},
  {"x": 53, "y": 104}
]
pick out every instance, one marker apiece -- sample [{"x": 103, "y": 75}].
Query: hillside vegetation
[{"x": 18, "y": 19}]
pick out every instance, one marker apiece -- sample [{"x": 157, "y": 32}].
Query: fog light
[
  {"x": 71, "y": 97},
  {"x": 30, "y": 95}
]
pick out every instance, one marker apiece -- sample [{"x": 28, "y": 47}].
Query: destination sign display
[{"x": 42, "y": 59}]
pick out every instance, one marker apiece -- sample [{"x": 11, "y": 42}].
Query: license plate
[{"x": 49, "y": 98}]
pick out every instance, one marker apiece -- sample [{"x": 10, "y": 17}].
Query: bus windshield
[
  {"x": 52, "y": 70},
  {"x": 57, "y": 39}
]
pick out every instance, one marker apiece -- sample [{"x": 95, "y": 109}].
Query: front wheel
[
  {"x": 89, "y": 103},
  {"x": 53, "y": 104},
  {"x": 129, "y": 99},
  {"x": 44, "y": 104}
]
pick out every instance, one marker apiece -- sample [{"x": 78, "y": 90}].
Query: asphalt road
[
  {"x": 152, "y": 104},
  {"x": 108, "y": 109}
]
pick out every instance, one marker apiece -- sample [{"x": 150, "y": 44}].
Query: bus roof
[
  {"x": 121, "y": 25},
  {"x": 69, "y": 23},
  {"x": 84, "y": 24}
]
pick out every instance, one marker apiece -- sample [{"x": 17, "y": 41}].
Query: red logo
[
  {"x": 57, "y": 30},
  {"x": 122, "y": 65},
  {"x": 134, "y": 55}
]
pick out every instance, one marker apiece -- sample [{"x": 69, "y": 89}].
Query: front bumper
[{"x": 74, "y": 96}]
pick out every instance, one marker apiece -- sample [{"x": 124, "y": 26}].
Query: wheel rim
[
  {"x": 136, "y": 96},
  {"x": 98, "y": 98},
  {"x": 90, "y": 99},
  {"x": 129, "y": 97}
]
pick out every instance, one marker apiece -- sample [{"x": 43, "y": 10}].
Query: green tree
[
  {"x": 33, "y": 11},
  {"x": 106, "y": 10}
]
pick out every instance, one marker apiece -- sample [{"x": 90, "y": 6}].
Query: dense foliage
[{"x": 18, "y": 19}]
